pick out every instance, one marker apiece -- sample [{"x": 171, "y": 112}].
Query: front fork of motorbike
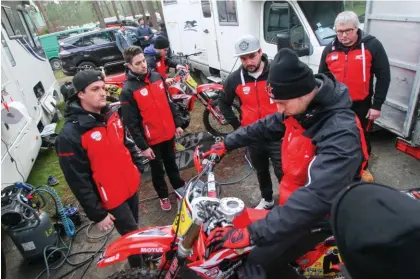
[{"x": 184, "y": 249}]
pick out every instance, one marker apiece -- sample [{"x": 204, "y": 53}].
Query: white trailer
[
  {"x": 29, "y": 92},
  {"x": 212, "y": 27}
]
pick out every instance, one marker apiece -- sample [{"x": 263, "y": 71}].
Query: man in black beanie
[
  {"x": 157, "y": 59},
  {"x": 323, "y": 151}
]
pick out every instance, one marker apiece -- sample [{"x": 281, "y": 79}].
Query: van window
[
  {"x": 227, "y": 12},
  {"x": 205, "y": 6},
  {"x": 8, "y": 53},
  {"x": 166, "y": 2},
  {"x": 280, "y": 18},
  {"x": 27, "y": 35},
  {"x": 9, "y": 22}
]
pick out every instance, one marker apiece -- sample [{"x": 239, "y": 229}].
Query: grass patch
[{"x": 46, "y": 164}]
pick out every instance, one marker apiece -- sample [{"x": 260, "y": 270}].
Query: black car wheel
[
  {"x": 87, "y": 65},
  {"x": 56, "y": 64}
]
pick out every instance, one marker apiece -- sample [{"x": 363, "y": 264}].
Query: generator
[{"x": 25, "y": 222}]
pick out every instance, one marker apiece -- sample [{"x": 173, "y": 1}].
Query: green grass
[{"x": 47, "y": 164}]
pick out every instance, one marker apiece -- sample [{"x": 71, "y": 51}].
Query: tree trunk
[
  {"x": 133, "y": 13},
  {"x": 161, "y": 11},
  {"x": 122, "y": 7},
  {"x": 152, "y": 12},
  {"x": 114, "y": 6},
  {"x": 41, "y": 8},
  {"x": 141, "y": 8},
  {"x": 107, "y": 7},
  {"x": 98, "y": 13}
]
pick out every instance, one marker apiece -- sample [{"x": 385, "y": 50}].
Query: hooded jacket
[
  {"x": 255, "y": 103},
  {"x": 98, "y": 159},
  {"x": 357, "y": 65},
  {"x": 377, "y": 230},
  {"x": 157, "y": 63},
  {"x": 147, "y": 109},
  {"x": 336, "y": 150}
]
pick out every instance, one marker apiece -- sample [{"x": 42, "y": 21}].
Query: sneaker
[
  {"x": 367, "y": 176},
  {"x": 165, "y": 204},
  {"x": 180, "y": 192},
  {"x": 265, "y": 204},
  {"x": 179, "y": 147},
  {"x": 52, "y": 181}
]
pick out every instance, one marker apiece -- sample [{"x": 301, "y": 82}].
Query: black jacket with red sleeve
[
  {"x": 357, "y": 65},
  {"x": 337, "y": 152},
  {"x": 147, "y": 110},
  {"x": 98, "y": 159}
]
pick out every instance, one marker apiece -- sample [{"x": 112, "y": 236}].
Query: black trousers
[
  {"x": 165, "y": 157},
  {"x": 126, "y": 220},
  {"x": 261, "y": 154},
  {"x": 277, "y": 264},
  {"x": 361, "y": 108}
]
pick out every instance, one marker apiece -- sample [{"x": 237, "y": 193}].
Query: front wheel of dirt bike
[
  {"x": 214, "y": 127},
  {"x": 135, "y": 273}
]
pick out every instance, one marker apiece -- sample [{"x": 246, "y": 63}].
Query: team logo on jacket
[
  {"x": 269, "y": 90},
  {"x": 144, "y": 92},
  {"x": 334, "y": 57},
  {"x": 158, "y": 64},
  {"x": 161, "y": 85},
  {"x": 359, "y": 57},
  {"x": 246, "y": 90},
  {"x": 96, "y": 136}
]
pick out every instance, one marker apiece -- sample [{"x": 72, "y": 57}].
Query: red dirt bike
[
  {"x": 185, "y": 91},
  {"x": 178, "y": 250}
]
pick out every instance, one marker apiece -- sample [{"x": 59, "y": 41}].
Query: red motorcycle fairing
[
  {"x": 248, "y": 216},
  {"x": 150, "y": 240},
  {"x": 209, "y": 86},
  {"x": 117, "y": 79}
]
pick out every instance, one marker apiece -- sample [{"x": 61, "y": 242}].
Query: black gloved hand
[{"x": 253, "y": 272}]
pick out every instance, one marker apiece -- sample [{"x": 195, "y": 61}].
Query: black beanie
[
  {"x": 84, "y": 78},
  {"x": 289, "y": 78},
  {"x": 161, "y": 42},
  {"x": 377, "y": 230}
]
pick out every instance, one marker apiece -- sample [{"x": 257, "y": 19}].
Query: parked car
[
  {"x": 92, "y": 49},
  {"x": 50, "y": 43},
  {"x": 117, "y": 23}
]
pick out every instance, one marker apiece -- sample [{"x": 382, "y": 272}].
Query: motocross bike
[
  {"x": 178, "y": 250},
  {"x": 186, "y": 89}
]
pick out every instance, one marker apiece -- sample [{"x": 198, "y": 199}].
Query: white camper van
[
  {"x": 29, "y": 92},
  {"x": 212, "y": 27}
]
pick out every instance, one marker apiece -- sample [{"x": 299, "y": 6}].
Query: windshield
[{"x": 321, "y": 16}]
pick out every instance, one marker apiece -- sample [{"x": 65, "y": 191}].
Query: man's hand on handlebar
[
  {"x": 169, "y": 81},
  {"x": 218, "y": 148},
  {"x": 228, "y": 237}
]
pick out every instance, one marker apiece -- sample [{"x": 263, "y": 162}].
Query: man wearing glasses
[
  {"x": 355, "y": 58},
  {"x": 157, "y": 60}
]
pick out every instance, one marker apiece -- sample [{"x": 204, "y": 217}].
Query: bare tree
[
  {"x": 99, "y": 14},
  {"x": 161, "y": 11},
  {"x": 141, "y": 8},
  {"x": 152, "y": 12},
  {"x": 43, "y": 11},
  {"x": 105, "y": 3},
  {"x": 114, "y": 6},
  {"x": 122, "y": 7},
  {"x": 133, "y": 13}
]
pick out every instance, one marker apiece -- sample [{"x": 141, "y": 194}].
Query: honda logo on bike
[{"x": 151, "y": 250}]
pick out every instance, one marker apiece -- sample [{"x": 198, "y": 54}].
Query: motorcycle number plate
[{"x": 191, "y": 82}]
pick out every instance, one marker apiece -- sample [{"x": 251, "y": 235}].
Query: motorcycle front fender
[{"x": 151, "y": 240}]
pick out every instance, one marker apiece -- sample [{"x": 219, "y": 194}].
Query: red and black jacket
[
  {"x": 159, "y": 64},
  {"x": 98, "y": 159},
  {"x": 323, "y": 151},
  {"x": 255, "y": 103},
  {"x": 147, "y": 109},
  {"x": 357, "y": 65}
]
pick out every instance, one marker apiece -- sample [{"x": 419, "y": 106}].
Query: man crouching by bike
[
  {"x": 323, "y": 151},
  {"x": 100, "y": 163}
]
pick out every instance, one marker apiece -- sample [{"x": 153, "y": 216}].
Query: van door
[
  {"x": 209, "y": 34},
  {"x": 281, "y": 18}
]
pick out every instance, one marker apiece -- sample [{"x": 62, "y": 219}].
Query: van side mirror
[{"x": 283, "y": 41}]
